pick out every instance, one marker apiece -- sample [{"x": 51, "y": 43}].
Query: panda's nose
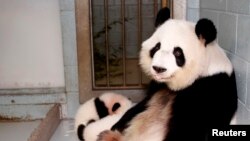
[{"x": 159, "y": 69}]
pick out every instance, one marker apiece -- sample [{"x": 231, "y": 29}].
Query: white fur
[
  {"x": 217, "y": 61},
  {"x": 87, "y": 112},
  {"x": 199, "y": 60},
  {"x": 110, "y": 99},
  {"x": 92, "y": 131}
]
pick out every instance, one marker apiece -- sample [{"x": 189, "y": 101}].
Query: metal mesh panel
[{"x": 118, "y": 29}]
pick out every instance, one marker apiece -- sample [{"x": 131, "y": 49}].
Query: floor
[
  {"x": 65, "y": 132},
  {"x": 17, "y": 131},
  {"x": 21, "y": 131}
]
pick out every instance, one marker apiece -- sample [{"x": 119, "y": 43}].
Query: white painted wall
[{"x": 30, "y": 44}]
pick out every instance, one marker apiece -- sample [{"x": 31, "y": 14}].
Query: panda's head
[
  {"x": 115, "y": 103},
  {"x": 176, "y": 52}
]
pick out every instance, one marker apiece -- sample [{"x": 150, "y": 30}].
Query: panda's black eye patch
[
  {"x": 116, "y": 106},
  {"x": 155, "y": 49},
  {"x": 179, "y": 56}
]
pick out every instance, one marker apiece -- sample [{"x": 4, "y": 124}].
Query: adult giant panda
[
  {"x": 99, "y": 111},
  {"x": 193, "y": 86}
]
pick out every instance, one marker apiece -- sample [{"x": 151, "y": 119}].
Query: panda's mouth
[{"x": 161, "y": 78}]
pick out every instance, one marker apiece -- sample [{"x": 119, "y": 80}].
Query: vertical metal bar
[
  {"x": 139, "y": 33},
  {"x": 165, "y": 3},
  {"x": 172, "y": 8},
  {"x": 123, "y": 41},
  {"x": 155, "y": 7},
  {"x": 106, "y": 40},
  {"x": 92, "y": 45}
]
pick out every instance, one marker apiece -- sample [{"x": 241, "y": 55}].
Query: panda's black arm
[
  {"x": 140, "y": 107},
  {"x": 129, "y": 115}
]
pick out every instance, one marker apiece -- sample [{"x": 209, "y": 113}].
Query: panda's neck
[{"x": 216, "y": 61}]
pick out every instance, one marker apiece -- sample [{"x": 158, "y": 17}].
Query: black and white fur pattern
[
  {"x": 100, "y": 113},
  {"x": 193, "y": 86}
]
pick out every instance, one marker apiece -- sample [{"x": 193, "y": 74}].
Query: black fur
[
  {"x": 162, "y": 16},
  {"x": 206, "y": 29},
  {"x": 209, "y": 102},
  {"x": 155, "y": 49},
  {"x": 159, "y": 69},
  {"x": 90, "y": 121},
  {"x": 101, "y": 109},
  {"x": 179, "y": 56},
  {"x": 116, "y": 106},
  {"x": 80, "y": 131}
]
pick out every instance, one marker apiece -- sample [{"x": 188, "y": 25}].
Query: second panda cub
[
  {"x": 99, "y": 114},
  {"x": 193, "y": 86}
]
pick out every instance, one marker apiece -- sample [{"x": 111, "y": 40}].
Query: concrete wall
[
  {"x": 180, "y": 8},
  {"x": 67, "y": 10},
  {"x": 31, "y": 44},
  {"x": 193, "y": 10},
  {"x": 39, "y": 40}
]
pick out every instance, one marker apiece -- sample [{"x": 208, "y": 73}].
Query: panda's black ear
[
  {"x": 205, "y": 30},
  {"x": 162, "y": 16}
]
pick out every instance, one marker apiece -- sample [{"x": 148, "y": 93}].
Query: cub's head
[{"x": 176, "y": 52}]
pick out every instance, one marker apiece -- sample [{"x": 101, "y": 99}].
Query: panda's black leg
[
  {"x": 80, "y": 131},
  {"x": 140, "y": 107}
]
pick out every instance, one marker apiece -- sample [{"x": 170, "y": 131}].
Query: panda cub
[
  {"x": 193, "y": 86},
  {"x": 99, "y": 114}
]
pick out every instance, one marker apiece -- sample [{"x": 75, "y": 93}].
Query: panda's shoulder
[
  {"x": 219, "y": 79},
  {"x": 207, "y": 92},
  {"x": 213, "y": 84}
]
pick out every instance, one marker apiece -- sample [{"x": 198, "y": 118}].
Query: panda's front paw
[{"x": 109, "y": 136}]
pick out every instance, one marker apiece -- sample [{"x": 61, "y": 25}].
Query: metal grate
[{"x": 118, "y": 29}]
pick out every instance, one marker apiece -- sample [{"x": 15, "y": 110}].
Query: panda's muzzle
[{"x": 159, "y": 69}]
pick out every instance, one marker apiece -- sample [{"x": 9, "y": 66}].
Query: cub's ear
[
  {"x": 205, "y": 30},
  {"x": 162, "y": 16}
]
